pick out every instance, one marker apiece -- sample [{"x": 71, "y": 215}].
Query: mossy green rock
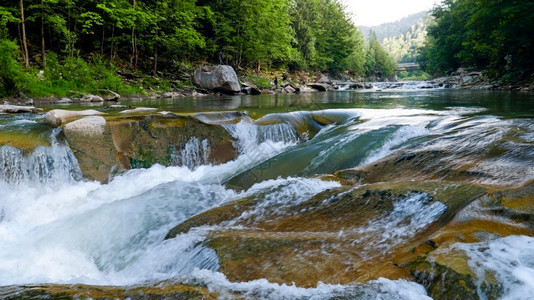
[{"x": 142, "y": 141}]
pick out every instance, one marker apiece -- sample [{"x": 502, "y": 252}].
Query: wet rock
[
  {"x": 217, "y": 78},
  {"x": 63, "y": 101},
  {"x": 290, "y": 246},
  {"x": 91, "y": 98},
  {"x": 93, "y": 125},
  {"x": 321, "y": 78},
  {"x": 139, "y": 110},
  {"x": 118, "y": 106},
  {"x": 250, "y": 89},
  {"x": 140, "y": 141},
  {"x": 172, "y": 95},
  {"x": 79, "y": 291},
  {"x": 442, "y": 282},
  {"x": 306, "y": 89},
  {"x": 318, "y": 86},
  {"x": 92, "y": 145},
  {"x": 57, "y": 117},
  {"x": 108, "y": 95},
  {"x": 289, "y": 90},
  {"x": 14, "y": 109}
]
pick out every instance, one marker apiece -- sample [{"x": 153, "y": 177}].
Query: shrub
[{"x": 10, "y": 71}]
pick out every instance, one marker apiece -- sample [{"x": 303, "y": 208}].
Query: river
[{"x": 454, "y": 168}]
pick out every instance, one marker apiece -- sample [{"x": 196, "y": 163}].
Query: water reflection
[{"x": 495, "y": 102}]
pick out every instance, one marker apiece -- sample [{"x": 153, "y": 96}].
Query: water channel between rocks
[{"x": 391, "y": 194}]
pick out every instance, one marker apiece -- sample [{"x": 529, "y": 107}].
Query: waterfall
[
  {"x": 45, "y": 165},
  {"x": 194, "y": 154},
  {"x": 249, "y": 135},
  {"x": 406, "y": 85}
]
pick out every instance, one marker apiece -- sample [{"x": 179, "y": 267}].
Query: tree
[
  {"x": 495, "y": 35},
  {"x": 25, "y": 55},
  {"x": 378, "y": 61}
]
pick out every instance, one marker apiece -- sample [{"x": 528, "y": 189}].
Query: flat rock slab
[
  {"x": 138, "y": 109},
  {"x": 7, "y": 108}
]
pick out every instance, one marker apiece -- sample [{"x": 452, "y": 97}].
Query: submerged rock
[{"x": 341, "y": 235}]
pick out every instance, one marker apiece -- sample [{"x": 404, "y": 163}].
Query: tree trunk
[
  {"x": 43, "y": 50},
  {"x": 103, "y": 38},
  {"x": 111, "y": 47},
  {"x": 155, "y": 71},
  {"x": 133, "y": 57},
  {"x": 24, "y": 44}
]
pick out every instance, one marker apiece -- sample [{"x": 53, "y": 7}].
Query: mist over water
[{"x": 56, "y": 227}]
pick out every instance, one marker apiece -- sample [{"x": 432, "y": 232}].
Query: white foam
[
  {"x": 401, "y": 136},
  {"x": 263, "y": 289},
  {"x": 279, "y": 194},
  {"x": 409, "y": 216},
  {"x": 510, "y": 260}
]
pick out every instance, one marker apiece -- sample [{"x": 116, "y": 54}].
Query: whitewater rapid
[{"x": 56, "y": 227}]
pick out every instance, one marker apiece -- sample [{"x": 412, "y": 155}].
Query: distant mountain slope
[
  {"x": 388, "y": 30},
  {"x": 402, "y": 38}
]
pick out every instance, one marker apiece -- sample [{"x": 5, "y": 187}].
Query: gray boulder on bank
[{"x": 217, "y": 78}]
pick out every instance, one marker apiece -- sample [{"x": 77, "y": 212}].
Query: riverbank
[
  {"x": 252, "y": 83},
  {"x": 478, "y": 80}
]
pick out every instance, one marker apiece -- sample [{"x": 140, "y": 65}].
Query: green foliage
[
  {"x": 403, "y": 47},
  {"x": 73, "y": 74},
  {"x": 393, "y": 29},
  {"x": 413, "y": 75},
  {"x": 378, "y": 61},
  {"x": 493, "y": 34},
  {"x": 11, "y": 74},
  {"x": 156, "y": 36},
  {"x": 258, "y": 81}
]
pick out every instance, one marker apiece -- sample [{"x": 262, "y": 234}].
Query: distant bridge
[{"x": 408, "y": 67}]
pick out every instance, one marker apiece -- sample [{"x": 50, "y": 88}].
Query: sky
[{"x": 376, "y": 12}]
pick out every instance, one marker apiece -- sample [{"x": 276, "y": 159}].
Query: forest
[
  {"x": 48, "y": 47},
  {"x": 490, "y": 35}
]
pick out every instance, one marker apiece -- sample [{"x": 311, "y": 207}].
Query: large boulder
[
  {"x": 217, "y": 78},
  {"x": 57, "y": 117},
  {"x": 88, "y": 125},
  {"x": 104, "y": 146}
]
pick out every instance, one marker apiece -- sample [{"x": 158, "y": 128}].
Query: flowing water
[{"x": 56, "y": 227}]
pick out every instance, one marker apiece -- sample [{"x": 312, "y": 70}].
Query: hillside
[
  {"x": 402, "y": 38},
  {"x": 392, "y": 29}
]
